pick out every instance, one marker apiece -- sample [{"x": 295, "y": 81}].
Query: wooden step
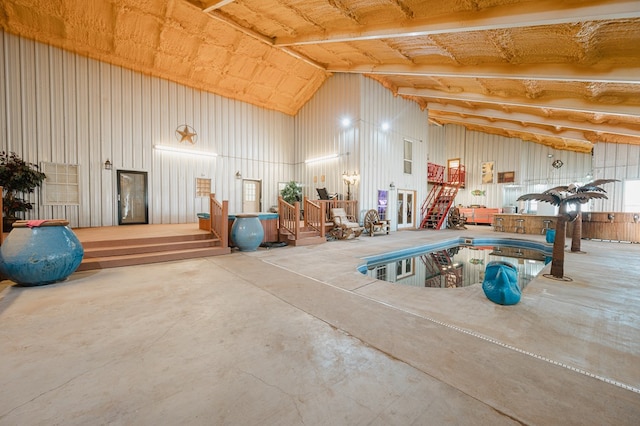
[
  {"x": 110, "y": 248},
  {"x": 146, "y": 258},
  {"x": 125, "y": 248}
]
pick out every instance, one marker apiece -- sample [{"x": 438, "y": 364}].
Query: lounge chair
[{"x": 344, "y": 226}]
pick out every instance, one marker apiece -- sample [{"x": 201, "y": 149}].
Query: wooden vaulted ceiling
[{"x": 560, "y": 73}]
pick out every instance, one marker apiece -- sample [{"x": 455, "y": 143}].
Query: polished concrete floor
[{"x": 295, "y": 336}]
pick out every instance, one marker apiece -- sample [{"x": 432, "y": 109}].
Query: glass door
[
  {"x": 406, "y": 208},
  {"x": 132, "y": 198}
]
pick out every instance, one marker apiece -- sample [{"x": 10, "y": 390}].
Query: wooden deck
[{"x": 114, "y": 246}]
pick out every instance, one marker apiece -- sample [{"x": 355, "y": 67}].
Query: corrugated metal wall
[
  {"x": 615, "y": 161},
  {"x": 63, "y": 108},
  {"x": 375, "y": 154},
  {"x": 531, "y": 163}
]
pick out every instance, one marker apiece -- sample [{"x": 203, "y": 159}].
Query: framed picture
[
  {"x": 487, "y": 172},
  {"x": 506, "y": 177}
]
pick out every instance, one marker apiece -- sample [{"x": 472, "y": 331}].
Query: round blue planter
[
  {"x": 247, "y": 232},
  {"x": 40, "y": 255}
]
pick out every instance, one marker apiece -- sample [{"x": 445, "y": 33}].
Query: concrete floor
[{"x": 294, "y": 335}]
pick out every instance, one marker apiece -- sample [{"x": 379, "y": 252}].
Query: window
[
  {"x": 203, "y": 187},
  {"x": 61, "y": 185},
  {"x": 631, "y": 196},
  {"x": 381, "y": 273},
  {"x": 408, "y": 156},
  {"x": 404, "y": 268}
]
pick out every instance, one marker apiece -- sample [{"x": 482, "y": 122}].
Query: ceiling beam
[
  {"x": 523, "y": 14},
  {"x": 497, "y": 116},
  {"x": 561, "y": 104},
  {"x": 216, "y": 5},
  {"x": 264, "y": 39},
  {"x": 537, "y": 128},
  {"x": 546, "y": 72},
  {"x": 578, "y": 144}
]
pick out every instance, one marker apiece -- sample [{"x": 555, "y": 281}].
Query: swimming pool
[{"x": 457, "y": 262}]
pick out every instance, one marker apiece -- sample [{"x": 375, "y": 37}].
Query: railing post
[
  {"x": 1, "y": 223},
  {"x": 224, "y": 228}
]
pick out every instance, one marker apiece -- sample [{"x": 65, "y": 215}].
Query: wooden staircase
[
  {"x": 435, "y": 207},
  {"x": 111, "y": 253},
  {"x": 293, "y": 231}
]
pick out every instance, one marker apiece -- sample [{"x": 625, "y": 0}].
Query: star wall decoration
[{"x": 185, "y": 133}]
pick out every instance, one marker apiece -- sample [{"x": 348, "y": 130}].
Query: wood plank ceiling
[{"x": 561, "y": 73}]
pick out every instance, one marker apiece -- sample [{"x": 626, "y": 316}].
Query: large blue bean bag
[{"x": 500, "y": 283}]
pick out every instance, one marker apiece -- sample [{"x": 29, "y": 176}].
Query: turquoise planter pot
[
  {"x": 41, "y": 255},
  {"x": 247, "y": 232}
]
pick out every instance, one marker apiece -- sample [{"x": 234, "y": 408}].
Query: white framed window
[
  {"x": 203, "y": 187},
  {"x": 60, "y": 188},
  {"x": 408, "y": 156},
  {"x": 631, "y": 196},
  {"x": 381, "y": 272},
  {"x": 404, "y": 268}
]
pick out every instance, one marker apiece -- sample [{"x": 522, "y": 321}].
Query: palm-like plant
[
  {"x": 594, "y": 186},
  {"x": 562, "y": 196}
]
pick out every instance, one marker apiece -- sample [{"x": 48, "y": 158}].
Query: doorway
[
  {"x": 251, "y": 196},
  {"x": 406, "y": 208},
  {"x": 132, "y": 198}
]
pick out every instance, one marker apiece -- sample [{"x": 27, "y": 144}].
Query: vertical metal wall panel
[
  {"x": 59, "y": 107},
  {"x": 530, "y": 162},
  {"x": 363, "y": 147}
]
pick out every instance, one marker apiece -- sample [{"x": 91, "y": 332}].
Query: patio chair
[
  {"x": 373, "y": 223},
  {"x": 344, "y": 226}
]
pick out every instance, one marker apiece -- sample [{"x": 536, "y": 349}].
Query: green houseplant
[
  {"x": 17, "y": 178},
  {"x": 292, "y": 192}
]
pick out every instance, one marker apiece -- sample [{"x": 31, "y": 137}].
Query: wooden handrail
[
  {"x": 314, "y": 216},
  {"x": 219, "y": 214},
  {"x": 289, "y": 217}
]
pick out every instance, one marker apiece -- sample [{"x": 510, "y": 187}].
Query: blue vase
[
  {"x": 550, "y": 237},
  {"x": 247, "y": 232},
  {"x": 40, "y": 255}
]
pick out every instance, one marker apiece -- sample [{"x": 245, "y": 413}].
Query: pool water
[{"x": 458, "y": 263}]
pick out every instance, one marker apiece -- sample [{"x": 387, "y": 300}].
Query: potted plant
[
  {"x": 292, "y": 192},
  {"x": 17, "y": 178}
]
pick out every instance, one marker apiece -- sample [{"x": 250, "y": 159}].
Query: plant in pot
[
  {"x": 17, "y": 178},
  {"x": 292, "y": 192}
]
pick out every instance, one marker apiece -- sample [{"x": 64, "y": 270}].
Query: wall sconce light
[
  {"x": 238, "y": 175},
  {"x": 611, "y": 216},
  {"x": 549, "y": 155},
  {"x": 636, "y": 217},
  {"x": 392, "y": 186},
  {"x": 350, "y": 179},
  {"x": 107, "y": 165}
]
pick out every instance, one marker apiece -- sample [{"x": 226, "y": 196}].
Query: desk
[{"x": 533, "y": 223}]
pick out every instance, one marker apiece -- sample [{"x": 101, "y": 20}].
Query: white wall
[
  {"x": 615, "y": 161},
  {"x": 529, "y": 161},
  {"x": 376, "y": 155},
  {"x": 64, "y": 108}
]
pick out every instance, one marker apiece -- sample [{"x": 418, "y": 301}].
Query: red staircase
[
  {"x": 435, "y": 207},
  {"x": 441, "y": 271}
]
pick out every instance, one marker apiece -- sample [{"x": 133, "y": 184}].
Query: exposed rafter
[
  {"x": 528, "y": 14},
  {"x": 561, "y": 104},
  {"x": 216, "y": 5},
  {"x": 627, "y": 75},
  {"x": 532, "y": 119}
]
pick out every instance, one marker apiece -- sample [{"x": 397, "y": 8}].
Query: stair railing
[
  {"x": 1, "y": 210},
  {"x": 314, "y": 216},
  {"x": 219, "y": 214},
  {"x": 289, "y": 217}
]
